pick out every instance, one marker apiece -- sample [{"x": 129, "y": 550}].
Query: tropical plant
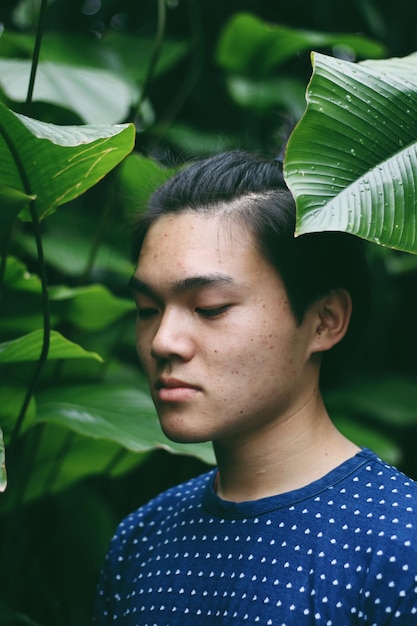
[
  {"x": 359, "y": 177},
  {"x": 81, "y": 443}
]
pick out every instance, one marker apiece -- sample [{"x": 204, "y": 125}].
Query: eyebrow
[{"x": 187, "y": 284}]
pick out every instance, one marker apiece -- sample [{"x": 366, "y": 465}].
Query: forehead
[{"x": 195, "y": 238}]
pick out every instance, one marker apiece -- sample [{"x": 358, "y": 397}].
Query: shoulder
[
  {"x": 163, "y": 509},
  {"x": 380, "y": 490},
  {"x": 384, "y": 505},
  {"x": 385, "y": 483},
  {"x": 370, "y": 502}
]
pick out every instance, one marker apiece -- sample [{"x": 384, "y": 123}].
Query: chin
[{"x": 179, "y": 434}]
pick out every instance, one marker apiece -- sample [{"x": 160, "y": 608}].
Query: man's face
[{"x": 216, "y": 337}]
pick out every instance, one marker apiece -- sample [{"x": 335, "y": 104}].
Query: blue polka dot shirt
[{"x": 340, "y": 551}]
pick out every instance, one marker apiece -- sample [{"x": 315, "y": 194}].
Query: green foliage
[
  {"x": 270, "y": 45},
  {"x": 55, "y": 164},
  {"x": 28, "y": 348},
  {"x": 96, "y": 95},
  {"x": 108, "y": 411},
  {"x": 120, "y": 100},
  {"x": 359, "y": 177},
  {"x": 252, "y": 71}
]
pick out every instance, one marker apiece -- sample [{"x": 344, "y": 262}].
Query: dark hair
[{"x": 252, "y": 190}]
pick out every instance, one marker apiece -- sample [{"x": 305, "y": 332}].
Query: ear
[{"x": 332, "y": 315}]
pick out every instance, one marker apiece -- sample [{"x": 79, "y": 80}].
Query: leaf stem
[
  {"x": 46, "y": 326},
  {"x": 35, "y": 56},
  {"x": 159, "y": 38},
  {"x": 28, "y": 102},
  {"x": 38, "y": 238}
]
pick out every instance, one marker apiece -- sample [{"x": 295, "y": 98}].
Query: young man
[{"x": 297, "y": 525}]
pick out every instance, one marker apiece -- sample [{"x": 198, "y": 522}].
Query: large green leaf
[
  {"x": 126, "y": 55},
  {"x": 65, "y": 457},
  {"x": 28, "y": 348},
  {"x": 117, "y": 413},
  {"x": 92, "y": 308},
  {"x": 351, "y": 162},
  {"x": 252, "y": 47},
  {"x": 96, "y": 95},
  {"x": 57, "y": 163}
]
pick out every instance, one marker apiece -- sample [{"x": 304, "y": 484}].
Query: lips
[{"x": 174, "y": 390}]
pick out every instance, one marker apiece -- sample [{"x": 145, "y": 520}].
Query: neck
[{"x": 287, "y": 455}]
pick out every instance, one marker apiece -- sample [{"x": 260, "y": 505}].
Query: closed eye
[{"x": 212, "y": 312}]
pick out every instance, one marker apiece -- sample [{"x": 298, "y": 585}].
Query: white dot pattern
[{"x": 341, "y": 551}]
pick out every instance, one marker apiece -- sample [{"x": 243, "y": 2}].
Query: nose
[{"x": 173, "y": 337}]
